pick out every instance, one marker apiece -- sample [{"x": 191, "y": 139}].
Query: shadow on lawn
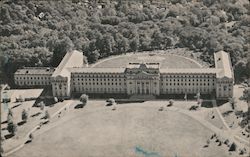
[
  {"x": 36, "y": 114},
  {"x": 4, "y": 129},
  {"x": 79, "y": 106},
  {"x": 21, "y": 123},
  {"x": 8, "y": 136},
  {"x": 108, "y": 104},
  {"x": 27, "y": 142},
  {"x": 16, "y": 106},
  {"x": 4, "y": 122}
]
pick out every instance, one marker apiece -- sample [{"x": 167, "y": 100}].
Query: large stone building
[{"x": 73, "y": 76}]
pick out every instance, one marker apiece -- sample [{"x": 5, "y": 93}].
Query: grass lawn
[
  {"x": 35, "y": 115},
  {"x": 165, "y": 60},
  {"x": 131, "y": 130}
]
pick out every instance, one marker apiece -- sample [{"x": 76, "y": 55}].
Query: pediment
[{"x": 143, "y": 74}]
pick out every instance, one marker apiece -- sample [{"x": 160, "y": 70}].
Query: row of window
[
  {"x": 99, "y": 83},
  {"x": 188, "y": 76},
  {"x": 96, "y": 79},
  {"x": 96, "y": 76},
  {"x": 98, "y": 89},
  {"x": 32, "y": 83},
  {"x": 185, "y": 90},
  {"x": 31, "y": 78},
  {"x": 181, "y": 80},
  {"x": 189, "y": 84}
]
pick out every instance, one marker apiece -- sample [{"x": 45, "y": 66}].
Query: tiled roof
[
  {"x": 223, "y": 62},
  {"x": 35, "y": 71}
]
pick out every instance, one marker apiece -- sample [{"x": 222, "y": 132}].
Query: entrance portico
[{"x": 143, "y": 79}]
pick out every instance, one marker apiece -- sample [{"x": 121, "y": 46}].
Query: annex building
[{"x": 74, "y": 76}]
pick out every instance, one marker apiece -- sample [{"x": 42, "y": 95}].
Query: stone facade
[{"x": 72, "y": 76}]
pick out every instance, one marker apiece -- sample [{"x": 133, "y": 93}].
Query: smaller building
[
  {"x": 225, "y": 77},
  {"x": 61, "y": 76},
  {"x": 34, "y": 76}
]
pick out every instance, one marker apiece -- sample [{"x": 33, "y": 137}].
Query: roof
[
  {"x": 35, "y": 71},
  {"x": 223, "y": 62},
  {"x": 71, "y": 59},
  {"x": 191, "y": 71},
  {"x": 97, "y": 70}
]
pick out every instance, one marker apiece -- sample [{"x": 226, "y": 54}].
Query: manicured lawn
[{"x": 131, "y": 130}]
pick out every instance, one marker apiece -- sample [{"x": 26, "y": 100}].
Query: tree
[
  {"x": 55, "y": 99},
  {"x": 10, "y": 112},
  {"x": 41, "y": 105},
  {"x": 198, "y": 96},
  {"x": 171, "y": 102},
  {"x": 9, "y": 118},
  {"x": 2, "y": 138},
  {"x": 1, "y": 151},
  {"x": 232, "y": 101},
  {"x": 25, "y": 115},
  {"x": 111, "y": 101},
  {"x": 246, "y": 94},
  {"x": 47, "y": 115},
  {"x": 12, "y": 128},
  {"x": 31, "y": 137},
  {"x": 199, "y": 102},
  {"x": 108, "y": 44},
  {"x": 134, "y": 44},
  {"x": 84, "y": 99}
]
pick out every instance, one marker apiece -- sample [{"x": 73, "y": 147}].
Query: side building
[
  {"x": 61, "y": 78},
  {"x": 33, "y": 76}
]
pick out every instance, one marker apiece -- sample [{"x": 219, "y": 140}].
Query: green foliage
[
  {"x": 12, "y": 128},
  {"x": 47, "y": 115},
  {"x": 233, "y": 102},
  {"x": 84, "y": 99},
  {"x": 10, "y": 112},
  {"x": 171, "y": 102},
  {"x": 9, "y": 118},
  {"x": 25, "y": 115},
  {"x": 39, "y": 33},
  {"x": 41, "y": 105},
  {"x": 111, "y": 101}
]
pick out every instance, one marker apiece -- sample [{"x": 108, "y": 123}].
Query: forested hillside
[{"x": 39, "y": 33}]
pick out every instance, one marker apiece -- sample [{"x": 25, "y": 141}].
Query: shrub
[
  {"x": 47, "y": 115},
  {"x": 111, "y": 101},
  {"x": 171, "y": 102},
  {"x": 25, "y": 115},
  {"x": 84, "y": 99},
  {"x": 41, "y": 105},
  {"x": 232, "y": 147},
  {"x": 12, "y": 128}
]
